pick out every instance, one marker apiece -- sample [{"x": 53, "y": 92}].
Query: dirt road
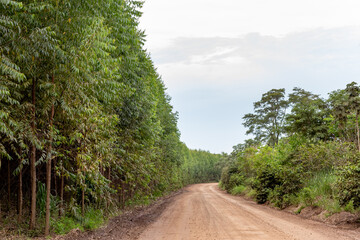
[{"x": 204, "y": 212}]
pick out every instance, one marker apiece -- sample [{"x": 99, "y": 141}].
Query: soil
[
  {"x": 204, "y": 212},
  {"x": 127, "y": 226}
]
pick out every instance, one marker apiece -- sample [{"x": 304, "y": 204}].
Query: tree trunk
[
  {"x": 83, "y": 202},
  {"x": 20, "y": 195},
  {"x": 48, "y": 167},
  {"x": 55, "y": 179},
  {"x": 357, "y": 131},
  {"x": 0, "y": 199},
  {"x": 32, "y": 162},
  {"x": 9, "y": 186},
  {"x": 48, "y": 188},
  {"x": 61, "y": 194},
  {"x": 123, "y": 194}
]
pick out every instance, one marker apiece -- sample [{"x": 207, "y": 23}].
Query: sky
[{"x": 217, "y": 58}]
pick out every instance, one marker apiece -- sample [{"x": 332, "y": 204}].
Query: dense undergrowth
[
  {"x": 297, "y": 172},
  {"x": 308, "y": 156}
]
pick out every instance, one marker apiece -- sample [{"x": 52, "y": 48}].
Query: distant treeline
[
  {"x": 304, "y": 151},
  {"x": 85, "y": 122}
]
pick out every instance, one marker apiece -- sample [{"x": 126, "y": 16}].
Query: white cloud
[
  {"x": 218, "y": 57},
  {"x": 252, "y": 58},
  {"x": 164, "y": 20}
]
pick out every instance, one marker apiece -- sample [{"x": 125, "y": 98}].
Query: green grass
[
  {"x": 319, "y": 191},
  {"x": 92, "y": 219},
  {"x": 65, "y": 224},
  {"x": 237, "y": 190}
]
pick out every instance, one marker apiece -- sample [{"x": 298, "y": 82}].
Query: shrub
[
  {"x": 264, "y": 182},
  {"x": 348, "y": 184},
  {"x": 230, "y": 178}
]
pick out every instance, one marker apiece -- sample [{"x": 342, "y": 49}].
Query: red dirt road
[{"x": 203, "y": 212}]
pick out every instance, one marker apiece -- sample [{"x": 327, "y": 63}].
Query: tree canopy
[{"x": 85, "y": 120}]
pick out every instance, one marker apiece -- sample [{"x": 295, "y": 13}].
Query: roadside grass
[
  {"x": 92, "y": 219},
  {"x": 242, "y": 190},
  {"x": 320, "y": 191},
  {"x": 238, "y": 190}
]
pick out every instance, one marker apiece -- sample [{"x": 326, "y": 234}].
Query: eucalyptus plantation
[{"x": 85, "y": 117}]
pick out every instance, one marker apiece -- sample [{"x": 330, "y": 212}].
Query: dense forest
[
  {"x": 86, "y": 126},
  {"x": 305, "y": 151}
]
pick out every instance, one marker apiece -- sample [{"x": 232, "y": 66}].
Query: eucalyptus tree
[
  {"x": 32, "y": 50},
  {"x": 79, "y": 93},
  {"x": 11, "y": 76}
]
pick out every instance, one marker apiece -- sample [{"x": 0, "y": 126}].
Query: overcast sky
[{"x": 218, "y": 57}]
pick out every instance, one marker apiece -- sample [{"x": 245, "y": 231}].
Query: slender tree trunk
[
  {"x": 56, "y": 183},
  {"x": 357, "y": 131},
  {"x": 0, "y": 199},
  {"x": 48, "y": 167},
  {"x": 9, "y": 184},
  {"x": 20, "y": 196},
  {"x": 48, "y": 188},
  {"x": 32, "y": 163},
  {"x": 61, "y": 194},
  {"x": 55, "y": 178},
  {"x": 123, "y": 194},
  {"x": 83, "y": 202}
]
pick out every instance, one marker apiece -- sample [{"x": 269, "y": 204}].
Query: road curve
[{"x": 204, "y": 212}]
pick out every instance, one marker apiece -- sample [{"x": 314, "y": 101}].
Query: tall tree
[
  {"x": 267, "y": 121},
  {"x": 353, "y": 90},
  {"x": 308, "y": 115}
]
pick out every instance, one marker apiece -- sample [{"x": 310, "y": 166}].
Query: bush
[
  {"x": 348, "y": 184},
  {"x": 230, "y": 178},
  {"x": 264, "y": 183},
  {"x": 298, "y": 171}
]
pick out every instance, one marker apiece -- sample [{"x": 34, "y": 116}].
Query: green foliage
[
  {"x": 308, "y": 115},
  {"x": 64, "y": 225},
  {"x": 199, "y": 166},
  {"x": 41, "y": 198},
  {"x": 237, "y": 190},
  {"x": 296, "y": 172},
  {"x": 93, "y": 219},
  {"x": 318, "y": 137},
  {"x": 320, "y": 191},
  {"x": 348, "y": 184},
  {"x": 350, "y": 206},
  {"x": 267, "y": 123},
  {"x": 265, "y": 181},
  {"x": 75, "y": 78}
]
